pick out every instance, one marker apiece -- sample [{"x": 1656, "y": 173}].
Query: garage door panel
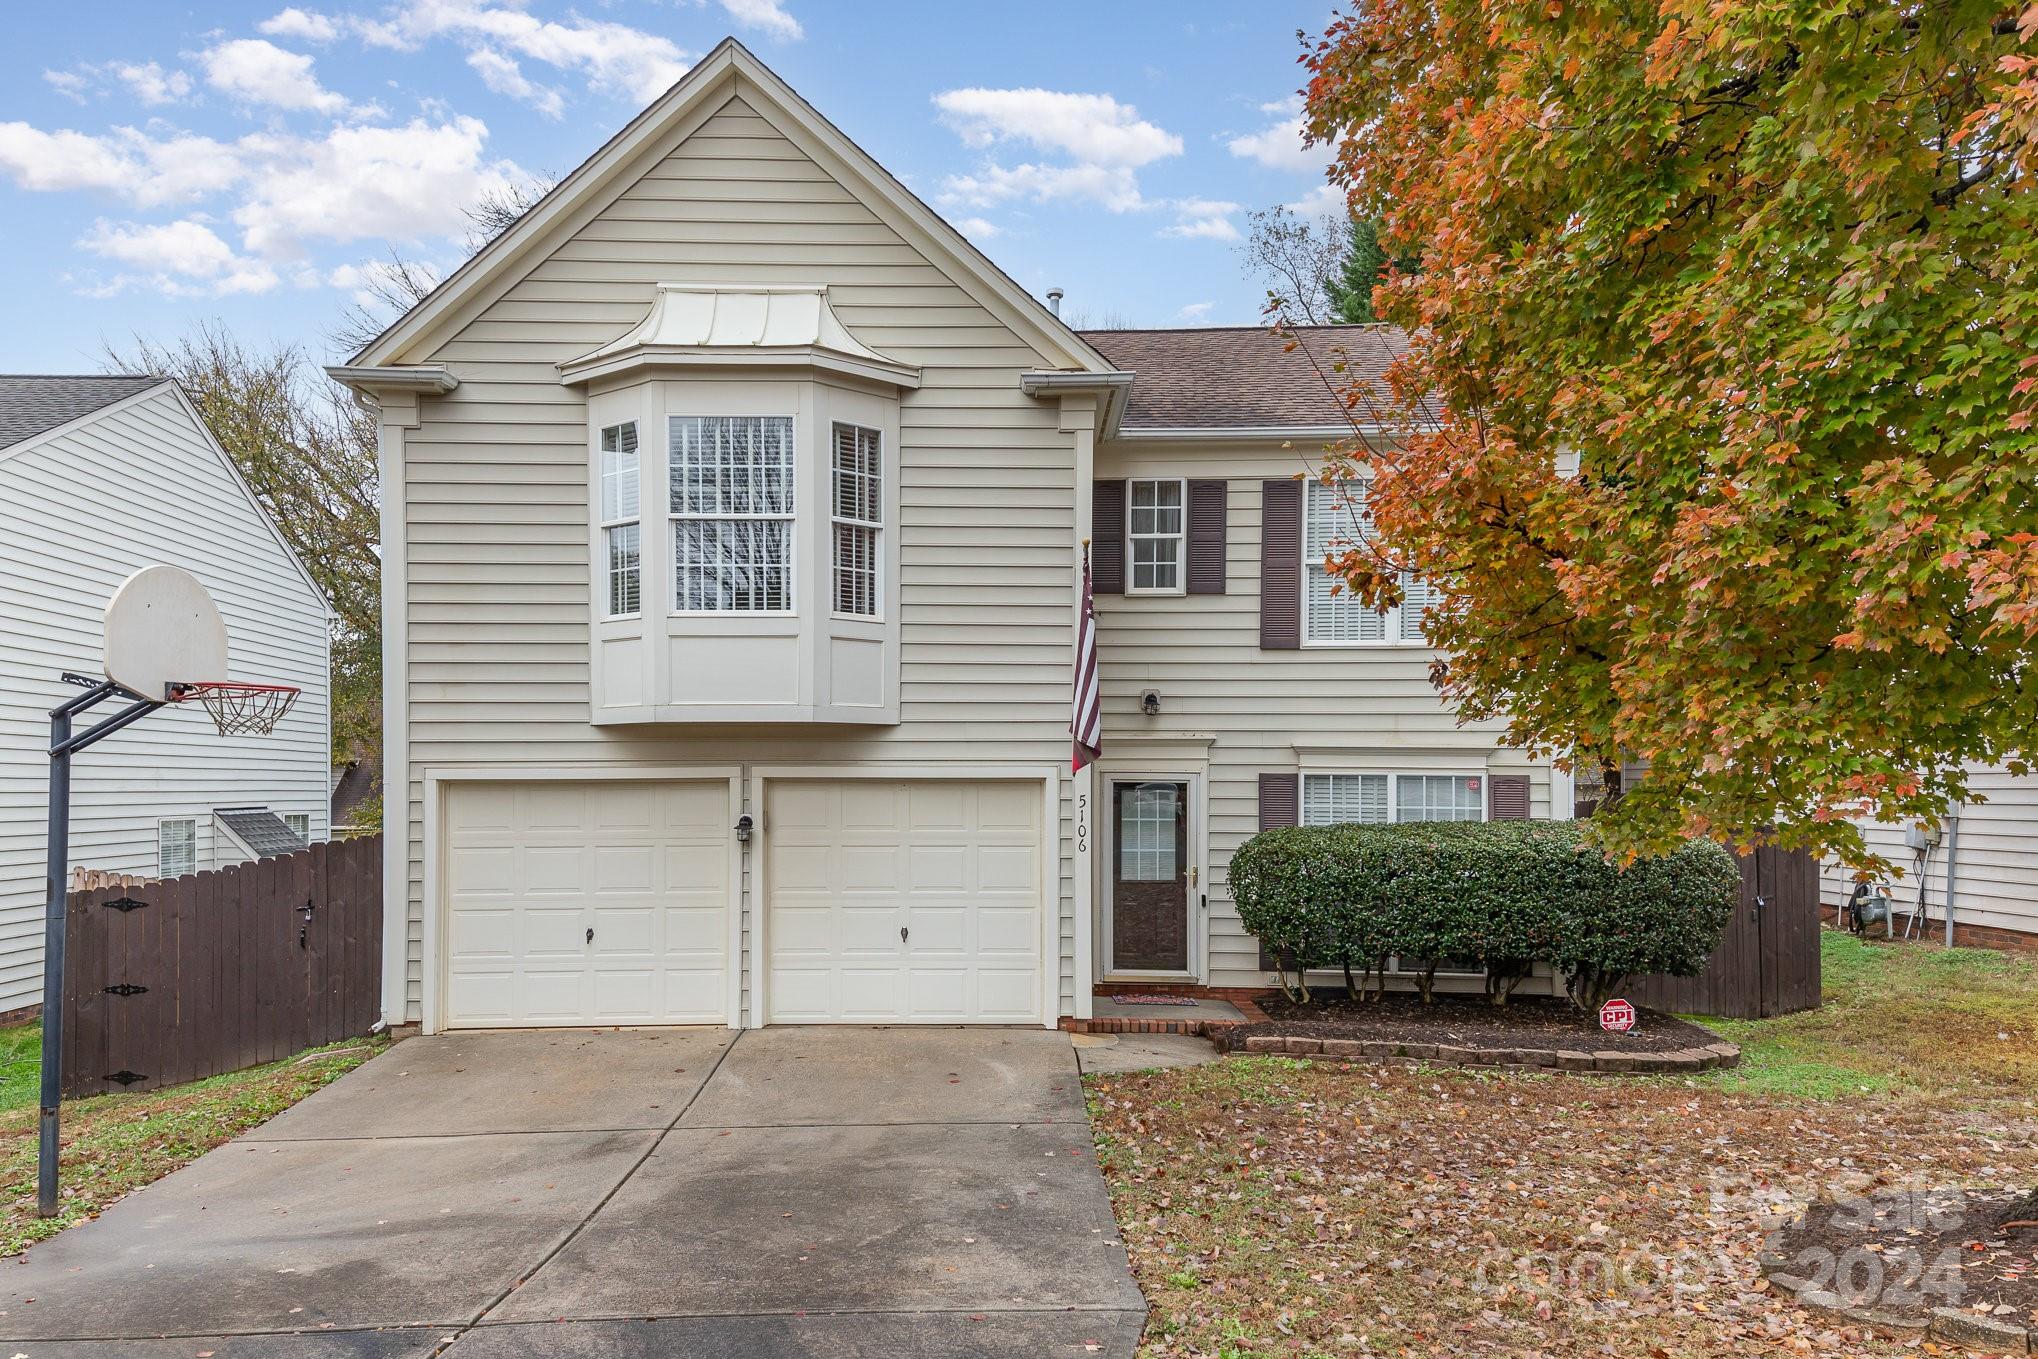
[
  {"x": 851, "y": 863},
  {"x": 532, "y": 868}
]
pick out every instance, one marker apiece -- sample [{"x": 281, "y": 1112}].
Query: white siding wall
[
  {"x": 135, "y": 486},
  {"x": 1202, "y": 652},
  {"x": 1996, "y": 878},
  {"x": 496, "y": 492}
]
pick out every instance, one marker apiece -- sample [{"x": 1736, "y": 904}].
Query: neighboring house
[
  {"x": 734, "y": 510},
  {"x": 1986, "y": 854},
  {"x": 99, "y": 477}
]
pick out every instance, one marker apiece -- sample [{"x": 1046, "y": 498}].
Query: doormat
[{"x": 1151, "y": 1000}]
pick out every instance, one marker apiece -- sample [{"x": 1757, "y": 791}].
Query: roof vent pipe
[{"x": 1054, "y": 296}]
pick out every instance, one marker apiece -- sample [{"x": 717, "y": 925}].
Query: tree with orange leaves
[{"x": 1714, "y": 429}]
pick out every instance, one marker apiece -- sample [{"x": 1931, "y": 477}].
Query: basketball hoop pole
[{"x": 62, "y": 746}]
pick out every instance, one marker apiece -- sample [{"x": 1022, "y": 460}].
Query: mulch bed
[
  {"x": 1526, "y": 1022},
  {"x": 1906, "y": 1253}
]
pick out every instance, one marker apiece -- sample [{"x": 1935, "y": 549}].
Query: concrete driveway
[{"x": 678, "y": 1193}]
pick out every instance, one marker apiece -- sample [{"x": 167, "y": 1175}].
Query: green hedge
[{"x": 1500, "y": 896}]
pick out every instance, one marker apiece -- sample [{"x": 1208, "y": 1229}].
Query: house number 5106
[{"x": 1082, "y": 823}]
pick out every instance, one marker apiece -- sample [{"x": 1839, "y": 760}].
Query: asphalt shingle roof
[
  {"x": 261, "y": 830},
  {"x": 1244, "y": 376},
  {"x": 32, "y": 403}
]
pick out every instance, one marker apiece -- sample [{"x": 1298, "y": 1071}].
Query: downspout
[{"x": 1952, "y": 868}]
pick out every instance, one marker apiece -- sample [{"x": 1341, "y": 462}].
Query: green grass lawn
[
  {"x": 1952, "y": 1025},
  {"x": 114, "y": 1144}
]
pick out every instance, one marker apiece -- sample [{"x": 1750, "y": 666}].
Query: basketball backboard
[{"x": 163, "y": 629}]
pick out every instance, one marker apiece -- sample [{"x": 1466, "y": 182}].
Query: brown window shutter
[
  {"x": 1206, "y": 536},
  {"x": 1107, "y": 537},
  {"x": 1280, "y": 565},
  {"x": 1508, "y": 796},
  {"x": 1280, "y": 805}
]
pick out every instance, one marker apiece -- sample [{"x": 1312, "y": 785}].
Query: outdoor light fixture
[
  {"x": 1150, "y": 703},
  {"x": 744, "y": 825}
]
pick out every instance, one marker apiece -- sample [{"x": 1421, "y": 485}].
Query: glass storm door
[{"x": 1150, "y": 876}]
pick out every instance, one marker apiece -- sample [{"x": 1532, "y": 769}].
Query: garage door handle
[
  {"x": 902, "y": 934},
  {"x": 590, "y": 934}
]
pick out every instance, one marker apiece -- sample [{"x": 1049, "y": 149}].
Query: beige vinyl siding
[
  {"x": 496, "y": 494},
  {"x": 1996, "y": 850},
  {"x": 135, "y": 485},
  {"x": 1202, "y": 653}
]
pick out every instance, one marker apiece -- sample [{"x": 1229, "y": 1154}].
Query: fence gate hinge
[
  {"x": 126, "y": 1077},
  {"x": 126, "y": 989},
  {"x": 304, "y": 929},
  {"x": 125, "y": 904}
]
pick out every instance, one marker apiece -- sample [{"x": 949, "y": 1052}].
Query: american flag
[{"x": 1088, "y": 723}]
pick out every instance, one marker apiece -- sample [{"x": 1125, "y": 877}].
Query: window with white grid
[
  {"x": 732, "y": 513},
  {"x": 176, "y": 848},
  {"x": 1146, "y": 832},
  {"x": 1334, "y": 521},
  {"x": 1154, "y": 533},
  {"x": 1343, "y": 799},
  {"x": 300, "y": 824},
  {"x": 619, "y": 518},
  {"x": 859, "y": 518},
  {"x": 1439, "y": 797}
]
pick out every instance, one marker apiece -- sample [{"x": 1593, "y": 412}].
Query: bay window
[
  {"x": 621, "y": 541},
  {"x": 858, "y": 518}
]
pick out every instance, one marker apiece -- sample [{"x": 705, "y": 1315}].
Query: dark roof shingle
[
  {"x": 33, "y": 403},
  {"x": 1244, "y": 377},
  {"x": 261, "y": 830}
]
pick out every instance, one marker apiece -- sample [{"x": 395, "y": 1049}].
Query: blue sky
[{"x": 164, "y": 164}]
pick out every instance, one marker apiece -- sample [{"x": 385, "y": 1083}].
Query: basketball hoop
[{"x": 239, "y": 709}]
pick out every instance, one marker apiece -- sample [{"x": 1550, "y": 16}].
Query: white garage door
[
  {"x": 587, "y": 903},
  {"x": 903, "y": 902}
]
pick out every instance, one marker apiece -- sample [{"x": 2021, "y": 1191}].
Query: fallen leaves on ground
[{"x": 1277, "y": 1207}]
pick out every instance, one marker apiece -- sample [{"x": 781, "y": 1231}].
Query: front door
[{"x": 1150, "y": 876}]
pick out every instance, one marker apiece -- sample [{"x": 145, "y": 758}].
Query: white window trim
[
  {"x": 669, "y": 573},
  {"x": 604, "y": 525},
  {"x": 1394, "y": 777},
  {"x": 305, "y": 817},
  {"x": 1180, "y": 537},
  {"x": 188, "y": 821},
  {"x": 1391, "y": 621},
  {"x": 876, "y": 526}
]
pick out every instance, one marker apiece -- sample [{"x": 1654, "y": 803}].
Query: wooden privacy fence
[
  {"x": 1767, "y": 963},
  {"x": 172, "y": 981}
]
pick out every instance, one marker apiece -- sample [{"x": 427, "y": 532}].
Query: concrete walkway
[{"x": 912, "y": 1193}]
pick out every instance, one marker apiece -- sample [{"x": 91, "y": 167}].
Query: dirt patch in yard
[
  {"x": 1276, "y": 1207},
  {"x": 1469, "y": 1022}
]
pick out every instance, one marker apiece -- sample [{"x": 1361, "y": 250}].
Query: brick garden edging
[
  {"x": 1948, "y": 1325},
  {"x": 1551, "y": 1059}
]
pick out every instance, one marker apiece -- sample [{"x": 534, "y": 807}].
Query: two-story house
[{"x": 735, "y": 510}]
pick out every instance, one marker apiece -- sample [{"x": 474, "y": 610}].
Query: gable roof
[
  {"x": 31, "y": 404},
  {"x": 1247, "y": 377},
  {"x": 700, "y": 91}
]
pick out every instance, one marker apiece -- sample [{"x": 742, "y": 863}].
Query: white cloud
[
  {"x": 1281, "y": 147},
  {"x": 977, "y": 228},
  {"x": 143, "y": 170},
  {"x": 151, "y": 84},
  {"x": 1106, "y": 144},
  {"x": 309, "y": 25},
  {"x": 177, "y": 258},
  {"x": 504, "y": 76},
  {"x": 260, "y": 72},
  {"x": 1325, "y": 200},
  {"x": 70, "y": 84},
  {"x": 614, "y": 59},
  {"x": 1195, "y": 311},
  {"x": 1203, "y": 218},
  {"x": 767, "y": 15},
  {"x": 371, "y": 183}
]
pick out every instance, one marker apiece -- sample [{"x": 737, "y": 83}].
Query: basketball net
[{"x": 240, "y": 709}]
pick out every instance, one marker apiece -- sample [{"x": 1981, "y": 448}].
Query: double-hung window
[
  {"x": 620, "y": 529},
  {"x": 176, "y": 847},
  {"x": 1155, "y": 532},
  {"x": 859, "y": 518},
  {"x": 1334, "y": 522},
  {"x": 300, "y": 824},
  {"x": 732, "y": 513},
  {"x": 1340, "y": 799}
]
